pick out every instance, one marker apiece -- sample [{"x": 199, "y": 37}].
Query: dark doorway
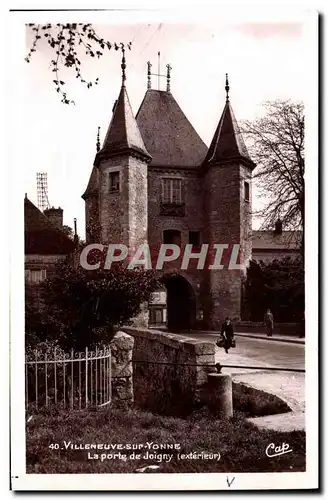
[
  {"x": 181, "y": 304},
  {"x": 172, "y": 237}
]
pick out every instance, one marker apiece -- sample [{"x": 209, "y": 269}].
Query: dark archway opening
[{"x": 181, "y": 303}]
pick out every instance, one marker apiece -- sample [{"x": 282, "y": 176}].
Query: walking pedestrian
[
  {"x": 227, "y": 334},
  {"x": 268, "y": 321}
]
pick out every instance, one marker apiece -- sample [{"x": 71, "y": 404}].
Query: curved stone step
[{"x": 282, "y": 422}]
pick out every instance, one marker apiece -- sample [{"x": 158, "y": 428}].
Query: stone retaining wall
[{"x": 169, "y": 389}]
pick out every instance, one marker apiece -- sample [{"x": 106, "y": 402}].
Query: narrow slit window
[
  {"x": 194, "y": 238},
  {"x": 246, "y": 191}
]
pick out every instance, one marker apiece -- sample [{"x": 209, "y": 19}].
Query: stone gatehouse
[{"x": 154, "y": 180}]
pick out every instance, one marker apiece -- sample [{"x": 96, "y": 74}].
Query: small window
[
  {"x": 172, "y": 191},
  {"x": 35, "y": 275},
  {"x": 114, "y": 182},
  {"x": 172, "y": 237},
  {"x": 194, "y": 238},
  {"x": 246, "y": 191}
]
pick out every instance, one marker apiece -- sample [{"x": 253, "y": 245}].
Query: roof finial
[
  {"x": 98, "y": 140},
  {"x": 168, "y": 78},
  {"x": 123, "y": 66},
  {"x": 149, "y": 75},
  {"x": 227, "y": 88},
  {"x": 159, "y": 68}
]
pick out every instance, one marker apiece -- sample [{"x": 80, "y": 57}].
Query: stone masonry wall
[
  {"x": 224, "y": 221},
  {"x": 169, "y": 389},
  {"x": 111, "y": 205},
  {"x": 191, "y": 221},
  {"x": 246, "y": 216},
  {"x": 92, "y": 219},
  {"x": 137, "y": 203},
  {"x": 191, "y": 192},
  {"x": 123, "y": 215}
]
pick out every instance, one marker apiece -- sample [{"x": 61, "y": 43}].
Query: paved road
[
  {"x": 288, "y": 386},
  {"x": 270, "y": 352}
]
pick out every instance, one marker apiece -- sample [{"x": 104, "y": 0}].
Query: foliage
[
  {"x": 41, "y": 324},
  {"x": 279, "y": 286},
  {"x": 81, "y": 308},
  {"x": 68, "y": 42},
  {"x": 276, "y": 144},
  {"x": 68, "y": 231}
]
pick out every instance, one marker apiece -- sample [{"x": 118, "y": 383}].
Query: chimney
[
  {"x": 278, "y": 227},
  {"x": 55, "y": 215}
]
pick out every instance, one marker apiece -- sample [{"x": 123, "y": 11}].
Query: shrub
[{"x": 80, "y": 308}]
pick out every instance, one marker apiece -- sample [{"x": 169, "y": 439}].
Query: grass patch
[{"x": 240, "y": 444}]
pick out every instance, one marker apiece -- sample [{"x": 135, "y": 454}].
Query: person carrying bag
[{"x": 227, "y": 339}]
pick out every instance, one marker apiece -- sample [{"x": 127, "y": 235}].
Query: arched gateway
[{"x": 181, "y": 303}]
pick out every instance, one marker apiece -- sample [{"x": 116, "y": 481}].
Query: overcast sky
[{"x": 265, "y": 60}]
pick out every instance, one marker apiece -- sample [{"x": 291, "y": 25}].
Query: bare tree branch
[{"x": 276, "y": 144}]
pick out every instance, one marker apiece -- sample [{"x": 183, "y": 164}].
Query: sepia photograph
[{"x": 167, "y": 171}]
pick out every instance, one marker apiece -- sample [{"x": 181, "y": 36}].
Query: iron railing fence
[{"x": 76, "y": 379}]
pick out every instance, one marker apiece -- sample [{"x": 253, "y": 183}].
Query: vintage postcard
[{"x": 164, "y": 172}]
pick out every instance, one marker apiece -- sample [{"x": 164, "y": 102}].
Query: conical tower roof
[
  {"x": 123, "y": 134},
  {"x": 93, "y": 183},
  {"x": 228, "y": 143}
]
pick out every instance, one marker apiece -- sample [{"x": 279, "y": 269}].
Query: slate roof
[
  {"x": 123, "y": 133},
  {"x": 269, "y": 240},
  {"x": 227, "y": 143},
  {"x": 41, "y": 237},
  {"x": 92, "y": 187},
  {"x": 168, "y": 135}
]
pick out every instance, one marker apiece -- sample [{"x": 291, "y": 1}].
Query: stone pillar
[
  {"x": 122, "y": 370},
  {"x": 219, "y": 394},
  {"x": 142, "y": 320}
]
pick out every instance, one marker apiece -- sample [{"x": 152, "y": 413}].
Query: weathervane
[
  {"x": 98, "y": 140},
  {"x": 123, "y": 66},
  {"x": 158, "y": 74},
  {"x": 227, "y": 88}
]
